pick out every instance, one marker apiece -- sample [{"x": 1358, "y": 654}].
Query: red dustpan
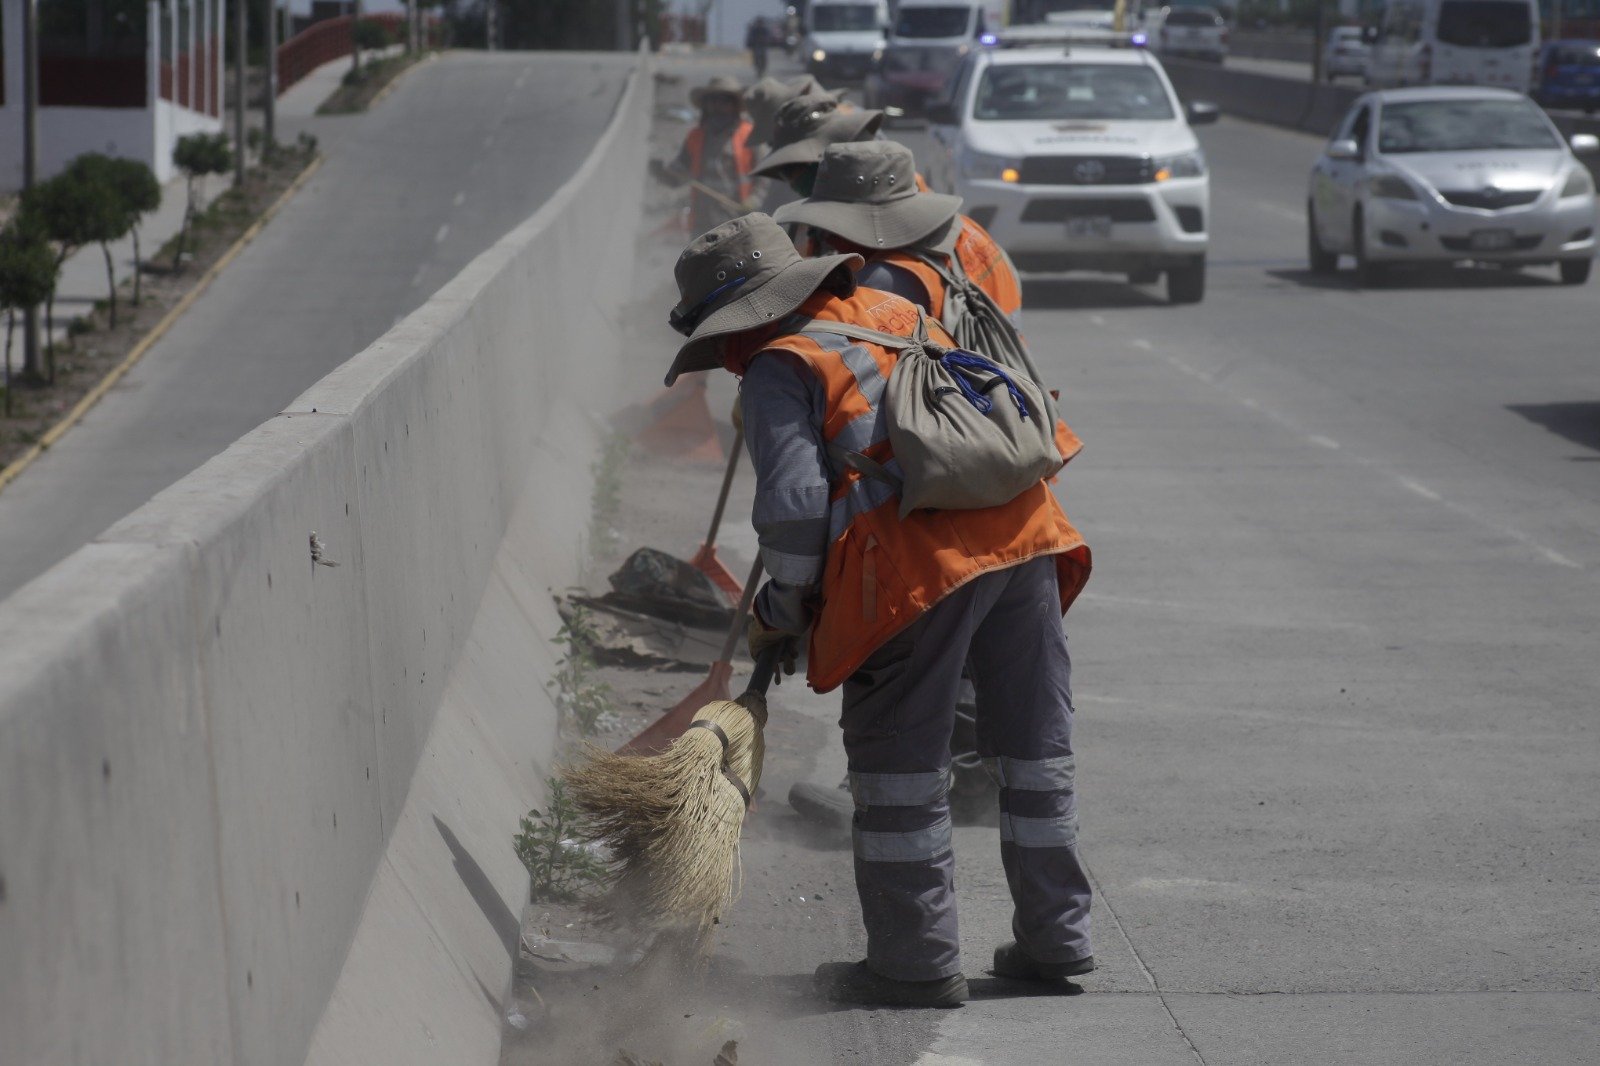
[
  {"x": 705, "y": 560},
  {"x": 670, "y": 726}
]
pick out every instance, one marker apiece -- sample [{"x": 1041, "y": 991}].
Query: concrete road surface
[
  {"x": 1336, "y": 678},
  {"x": 464, "y": 149}
]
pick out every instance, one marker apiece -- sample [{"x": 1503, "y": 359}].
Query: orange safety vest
[
  {"x": 984, "y": 262},
  {"x": 744, "y": 159},
  {"x": 882, "y": 572}
]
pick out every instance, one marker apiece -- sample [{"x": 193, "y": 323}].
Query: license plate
[
  {"x": 1490, "y": 240},
  {"x": 1094, "y": 227}
]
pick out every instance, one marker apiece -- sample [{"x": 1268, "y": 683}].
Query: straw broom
[{"x": 672, "y": 820}]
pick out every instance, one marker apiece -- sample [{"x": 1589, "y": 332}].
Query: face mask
[{"x": 805, "y": 179}]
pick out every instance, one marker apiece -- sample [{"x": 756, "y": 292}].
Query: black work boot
[
  {"x": 1011, "y": 961},
  {"x": 831, "y": 807},
  {"x": 853, "y": 982}
]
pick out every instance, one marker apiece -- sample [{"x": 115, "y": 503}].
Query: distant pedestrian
[
  {"x": 758, "y": 38},
  {"x": 894, "y": 606},
  {"x": 716, "y": 155}
]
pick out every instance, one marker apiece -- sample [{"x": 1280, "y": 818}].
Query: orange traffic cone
[{"x": 677, "y": 423}]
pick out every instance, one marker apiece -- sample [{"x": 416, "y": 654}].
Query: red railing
[{"x": 326, "y": 41}]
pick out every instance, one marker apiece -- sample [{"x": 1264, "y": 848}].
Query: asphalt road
[
  {"x": 1336, "y": 681},
  {"x": 463, "y": 150}
]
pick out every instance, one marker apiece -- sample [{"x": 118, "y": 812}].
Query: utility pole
[
  {"x": 355, "y": 38},
  {"x": 269, "y": 113},
  {"x": 241, "y": 43},
  {"x": 490, "y": 29},
  {"x": 30, "y": 159},
  {"x": 411, "y": 26}
]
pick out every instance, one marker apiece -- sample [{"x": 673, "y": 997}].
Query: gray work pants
[{"x": 899, "y": 710}]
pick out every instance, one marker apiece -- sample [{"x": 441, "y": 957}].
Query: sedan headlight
[
  {"x": 1391, "y": 187},
  {"x": 1578, "y": 183},
  {"x": 1183, "y": 165},
  {"x": 983, "y": 166},
  {"x": 818, "y": 56}
]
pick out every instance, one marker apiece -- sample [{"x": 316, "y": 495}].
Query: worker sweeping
[
  {"x": 716, "y": 157},
  {"x": 918, "y": 245},
  {"x": 761, "y": 102},
  {"x": 901, "y": 559}
]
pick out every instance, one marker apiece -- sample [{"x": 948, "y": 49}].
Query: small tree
[
  {"x": 28, "y": 270},
  {"x": 140, "y": 192},
  {"x": 370, "y": 35},
  {"x": 114, "y": 217},
  {"x": 197, "y": 155},
  {"x": 71, "y": 211}
]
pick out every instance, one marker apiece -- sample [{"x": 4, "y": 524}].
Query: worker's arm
[{"x": 783, "y": 408}]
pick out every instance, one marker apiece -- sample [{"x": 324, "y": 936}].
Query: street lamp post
[
  {"x": 30, "y": 158},
  {"x": 241, "y": 43},
  {"x": 269, "y": 113}
]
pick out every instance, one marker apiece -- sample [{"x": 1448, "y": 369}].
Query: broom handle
[
  {"x": 766, "y": 667},
  {"x": 749, "y": 597},
  {"x": 727, "y": 483},
  {"x": 727, "y": 203}
]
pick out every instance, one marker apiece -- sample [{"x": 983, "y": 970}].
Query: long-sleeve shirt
[{"x": 784, "y": 406}]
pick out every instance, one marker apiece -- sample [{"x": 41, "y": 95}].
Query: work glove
[{"x": 761, "y": 637}]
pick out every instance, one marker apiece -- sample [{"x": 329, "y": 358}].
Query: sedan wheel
[
  {"x": 1575, "y": 271},
  {"x": 1369, "y": 275},
  {"x": 1322, "y": 260},
  {"x": 1187, "y": 284}
]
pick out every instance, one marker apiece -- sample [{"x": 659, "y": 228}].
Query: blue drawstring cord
[{"x": 957, "y": 360}]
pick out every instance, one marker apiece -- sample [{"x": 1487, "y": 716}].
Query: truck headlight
[
  {"x": 983, "y": 166},
  {"x": 1183, "y": 165},
  {"x": 818, "y": 56},
  {"x": 877, "y": 55},
  {"x": 1578, "y": 183},
  {"x": 1391, "y": 187}
]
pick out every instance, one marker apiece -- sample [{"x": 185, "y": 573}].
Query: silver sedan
[{"x": 1449, "y": 174}]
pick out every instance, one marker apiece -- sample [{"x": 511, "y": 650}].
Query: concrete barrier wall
[{"x": 254, "y": 809}]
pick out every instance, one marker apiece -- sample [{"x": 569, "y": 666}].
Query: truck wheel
[
  {"x": 1187, "y": 284},
  {"x": 1144, "y": 276},
  {"x": 1575, "y": 271}
]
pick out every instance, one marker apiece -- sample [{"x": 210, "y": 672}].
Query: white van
[
  {"x": 927, "y": 41},
  {"x": 1454, "y": 42},
  {"x": 844, "y": 38}
]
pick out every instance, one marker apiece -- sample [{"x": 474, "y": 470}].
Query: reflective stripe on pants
[{"x": 899, "y": 710}]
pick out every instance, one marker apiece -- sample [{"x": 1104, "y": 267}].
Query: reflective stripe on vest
[
  {"x": 882, "y": 573},
  {"x": 984, "y": 262}
]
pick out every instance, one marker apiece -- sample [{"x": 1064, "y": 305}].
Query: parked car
[
  {"x": 1446, "y": 174},
  {"x": 926, "y": 42},
  {"x": 1199, "y": 32},
  {"x": 1345, "y": 54},
  {"x": 1078, "y": 158},
  {"x": 1569, "y": 75}
]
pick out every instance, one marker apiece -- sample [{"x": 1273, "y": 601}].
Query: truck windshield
[
  {"x": 840, "y": 18},
  {"x": 1485, "y": 23},
  {"x": 1463, "y": 126},
  {"x": 1077, "y": 90},
  {"x": 932, "y": 21}
]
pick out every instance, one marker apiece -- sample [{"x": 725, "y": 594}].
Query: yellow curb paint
[
  {"x": 94, "y": 395},
  {"x": 387, "y": 89}
]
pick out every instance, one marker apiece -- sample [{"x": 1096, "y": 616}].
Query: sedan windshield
[
  {"x": 1485, "y": 23},
  {"x": 837, "y": 18},
  {"x": 1463, "y": 126},
  {"x": 1079, "y": 90},
  {"x": 932, "y": 22}
]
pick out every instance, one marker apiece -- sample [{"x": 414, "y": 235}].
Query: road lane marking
[
  {"x": 461, "y": 198},
  {"x": 444, "y": 231},
  {"x": 1323, "y": 442},
  {"x": 1494, "y": 525},
  {"x": 1289, "y": 213},
  {"x": 1142, "y": 344},
  {"x": 1098, "y": 320},
  {"x": 416, "y": 279}
]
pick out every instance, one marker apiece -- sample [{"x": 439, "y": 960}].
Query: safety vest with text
[{"x": 882, "y": 572}]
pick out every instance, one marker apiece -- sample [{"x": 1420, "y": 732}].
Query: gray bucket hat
[
  {"x": 721, "y": 85},
  {"x": 866, "y": 192},
  {"x": 743, "y": 275},
  {"x": 807, "y": 124},
  {"x": 762, "y": 100}
]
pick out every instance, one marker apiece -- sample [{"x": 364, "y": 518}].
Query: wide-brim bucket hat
[
  {"x": 807, "y": 125},
  {"x": 743, "y": 275},
  {"x": 762, "y": 100},
  {"x": 866, "y": 193},
  {"x": 721, "y": 85}
]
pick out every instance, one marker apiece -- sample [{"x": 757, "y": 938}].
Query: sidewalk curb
[
  {"x": 94, "y": 395},
  {"x": 402, "y": 76}
]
